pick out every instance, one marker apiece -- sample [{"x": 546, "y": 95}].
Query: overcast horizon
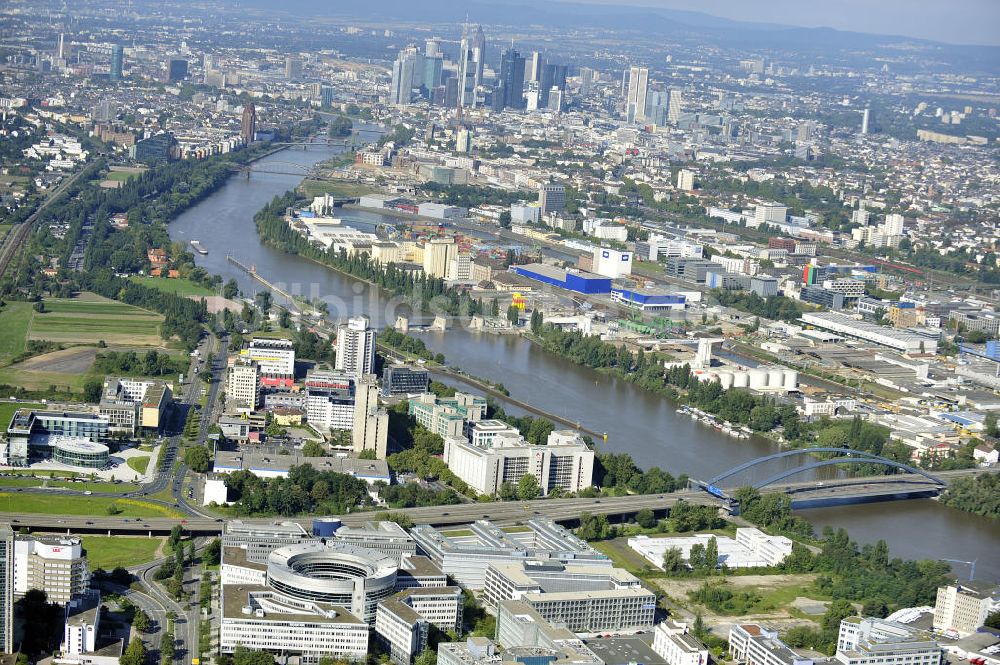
[{"x": 963, "y": 22}]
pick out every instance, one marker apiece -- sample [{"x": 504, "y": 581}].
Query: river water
[{"x": 637, "y": 422}]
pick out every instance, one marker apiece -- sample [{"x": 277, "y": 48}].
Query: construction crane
[{"x": 971, "y": 564}]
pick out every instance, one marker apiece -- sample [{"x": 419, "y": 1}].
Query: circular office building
[
  {"x": 78, "y": 451},
  {"x": 351, "y": 577}
]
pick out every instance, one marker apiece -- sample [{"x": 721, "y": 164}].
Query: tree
[
  {"x": 513, "y": 314},
  {"x": 213, "y": 552},
  {"x": 141, "y": 621},
  {"x": 990, "y": 425},
  {"x": 231, "y": 289},
  {"x": 504, "y": 220},
  {"x": 245, "y": 656},
  {"x": 594, "y": 527},
  {"x": 711, "y": 556},
  {"x": 993, "y": 620},
  {"x": 368, "y": 453},
  {"x": 527, "y": 488},
  {"x": 39, "y": 307},
  {"x": 92, "y": 389},
  {"x": 135, "y": 653},
  {"x": 673, "y": 561},
  {"x": 313, "y": 449},
  {"x": 426, "y": 657},
  {"x": 507, "y": 491},
  {"x": 198, "y": 459},
  {"x": 645, "y": 518}
]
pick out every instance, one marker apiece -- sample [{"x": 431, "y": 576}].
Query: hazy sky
[{"x": 954, "y": 21}]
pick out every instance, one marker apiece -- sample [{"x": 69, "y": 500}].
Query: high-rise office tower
[
  {"x": 470, "y": 66},
  {"x": 431, "y": 76},
  {"x": 208, "y": 62},
  {"x": 635, "y": 100},
  {"x": 177, "y": 69},
  {"x": 6, "y": 588},
  {"x": 371, "y": 424},
  {"x": 511, "y": 79},
  {"x": 674, "y": 108},
  {"x": 118, "y": 62},
  {"x": 534, "y": 69},
  {"x": 293, "y": 68},
  {"x": 61, "y": 49},
  {"x": 438, "y": 253},
  {"x": 865, "y": 117},
  {"x": 432, "y": 48},
  {"x": 586, "y": 80},
  {"x": 248, "y": 124},
  {"x": 356, "y": 346},
  {"x": 551, "y": 198},
  {"x": 408, "y": 68}
]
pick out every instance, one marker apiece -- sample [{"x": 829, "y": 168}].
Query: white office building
[
  {"x": 53, "y": 564},
  {"x": 770, "y": 213},
  {"x": 402, "y": 623},
  {"x": 751, "y": 548},
  {"x": 276, "y": 359},
  {"x": 612, "y": 262},
  {"x": 673, "y": 643},
  {"x": 329, "y": 400},
  {"x": 565, "y": 462},
  {"x": 243, "y": 383},
  {"x": 881, "y": 642},
  {"x": 753, "y": 644},
  {"x": 964, "y": 608}
]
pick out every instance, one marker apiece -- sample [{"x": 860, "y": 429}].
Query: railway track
[{"x": 16, "y": 239}]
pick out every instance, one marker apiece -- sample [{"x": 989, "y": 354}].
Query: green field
[
  {"x": 120, "y": 176},
  {"x": 90, "y": 321},
  {"x": 7, "y": 410},
  {"x": 110, "y": 552},
  {"x": 15, "y": 317},
  {"x": 81, "y": 505},
  {"x": 138, "y": 463},
  {"x": 92, "y": 486},
  {"x": 181, "y": 287},
  {"x": 335, "y": 188}
]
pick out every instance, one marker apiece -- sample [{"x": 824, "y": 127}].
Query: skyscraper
[
  {"x": 177, "y": 69},
  {"x": 635, "y": 101},
  {"x": 586, "y": 80},
  {"x": 432, "y": 48},
  {"x": 356, "y": 346},
  {"x": 6, "y": 588},
  {"x": 512, "y": 79},
  {"x": 551, "y": 198},
  {"x": 293, "y": 68},
  {"x": 470, "y": 67},
  {"x": 407, "y": 69},
  {"x": 248, "y": 124},
  {"x": 433, "y": 67},
  {"x": 534, "y": 69},
  {"x": 61, "y": 50},
  {"x": 117, "y": 61},
  {"x": 865, "y": 117},
  {"x": 674, "y": 108},
  {"x": 371, "y": 424}
]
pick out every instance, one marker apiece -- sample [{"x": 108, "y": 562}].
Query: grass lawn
[
  {"x": 7, "y": 410},
  {"x": 81, "y": 505},
  {"x": 457, "y": 533},
  {"x": 138, "y": 463},
  {"x": 35, "y": 380},
  {"x": 335, "y": 188},
  {"x": 89, "y": 321},
  {"x": 93, "y": 486},
  {"x": 5, "y": 229},
  {"x": 15, "y": 317},
  {"x": 181, "y": 287},
  {"x": 110, "y": 552},
  {"x": 120, "y": 176}
]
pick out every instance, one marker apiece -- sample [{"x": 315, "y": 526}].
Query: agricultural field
[
  {"x": 181, "y": 287},
  {"x": 90, "y": 319},
  {"x": 15, "y": 317}
]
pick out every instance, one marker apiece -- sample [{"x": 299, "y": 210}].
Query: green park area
[
  {"x": 110, "y": 552},
  {"x": 81, "y": 485},
  {"x": 337, "y": 188},
  {"x": 50, "y": 504},
  {"x": 139, "y": 464},
  {"x": 181, "y": 287}
]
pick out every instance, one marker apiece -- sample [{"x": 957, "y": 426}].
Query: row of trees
[
  {"x": 304, "y": 490},
  {"x": 979, "y": 495}
]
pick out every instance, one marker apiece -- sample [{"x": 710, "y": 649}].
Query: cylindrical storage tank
[
  {"x": 758, "y": 379},
  {"x": 775, "y": 378},
  {"x": 741, "y": 379},
  {"x": 325, "y": 527},
  {"x": 726, "y": 380},
  {"x": 791, "y": 379}
]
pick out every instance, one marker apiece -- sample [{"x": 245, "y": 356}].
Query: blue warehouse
[
  {"x": 579, "y": 281},
  {"x": 649, "y": 300}
]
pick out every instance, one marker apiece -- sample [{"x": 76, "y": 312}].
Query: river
[{"x": 637, "y": 422}]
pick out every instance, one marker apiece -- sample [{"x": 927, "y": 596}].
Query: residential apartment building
[
  {"x": 243, "y": 383},
  {"x": 356, "y": 346},
  {"x": 371, "y": 423}
]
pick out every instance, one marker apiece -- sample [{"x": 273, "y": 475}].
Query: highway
[{"x": 560, "y": 510}]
